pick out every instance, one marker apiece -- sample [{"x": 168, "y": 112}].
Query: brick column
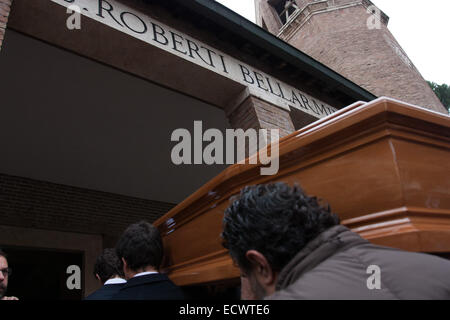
[
  {"x": 258, "y": 114},
  {"x": 251, "y": 112},
  {"x": 5, "y": 8}
]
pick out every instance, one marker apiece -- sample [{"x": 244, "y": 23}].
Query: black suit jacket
[
  {"x": 106, "y": 292},
  {"x": 149, "y": 287}
]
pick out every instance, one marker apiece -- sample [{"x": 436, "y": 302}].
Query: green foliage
[{"x": 443, "y": 93}]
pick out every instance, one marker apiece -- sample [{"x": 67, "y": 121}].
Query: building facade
[{"x": 91, "y": 92}]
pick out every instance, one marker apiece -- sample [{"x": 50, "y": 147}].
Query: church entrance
[{"x": 41, "y": 274}]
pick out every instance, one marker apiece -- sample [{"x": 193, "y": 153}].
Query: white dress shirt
[
  {"x": 115, "y": 281},
  {"x": 144, "y": 273}
]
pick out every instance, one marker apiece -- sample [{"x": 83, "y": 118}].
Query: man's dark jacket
[
  {"x": 335, "y": 266},
  {"x": 149, "y": 287},
  {"x": 106, "y": 292}
]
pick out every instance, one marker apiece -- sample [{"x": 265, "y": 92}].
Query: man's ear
[
  {"x": 98, "y": 277},
  {"x": 261, "y": 268}
]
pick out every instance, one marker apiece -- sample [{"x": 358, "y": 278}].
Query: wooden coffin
[{"x": 384, "y": 167}]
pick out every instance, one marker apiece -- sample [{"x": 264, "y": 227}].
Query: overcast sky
[{"x": 421, "y": 27}]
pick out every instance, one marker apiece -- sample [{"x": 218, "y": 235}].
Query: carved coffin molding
[{"x": 382, "y": 166}]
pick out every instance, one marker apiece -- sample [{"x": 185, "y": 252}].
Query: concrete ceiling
[{"x": 69, "y": 120}]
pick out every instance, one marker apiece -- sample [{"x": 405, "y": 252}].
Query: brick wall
[
  {"x": 269, "y": 16},
  {"x": 5, "y": 7},
  {"x": 37, "y": 204}
]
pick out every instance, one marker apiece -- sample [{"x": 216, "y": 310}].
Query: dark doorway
[{"x": 41, "y": 274}]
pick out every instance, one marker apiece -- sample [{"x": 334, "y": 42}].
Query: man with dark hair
[
  {"x": 287, "y": 246},
  {"x": 5, "y": 273},
  {"x": 108, "y": 270},
  {"x": 141, "y": 250}
]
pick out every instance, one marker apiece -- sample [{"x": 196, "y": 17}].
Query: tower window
[{"x": 284, "y": 9}]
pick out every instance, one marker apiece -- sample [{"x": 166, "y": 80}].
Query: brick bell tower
[{"x": 352, "y": 38}]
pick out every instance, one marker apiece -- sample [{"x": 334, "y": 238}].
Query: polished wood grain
[{"x": 382, "y": 166}]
